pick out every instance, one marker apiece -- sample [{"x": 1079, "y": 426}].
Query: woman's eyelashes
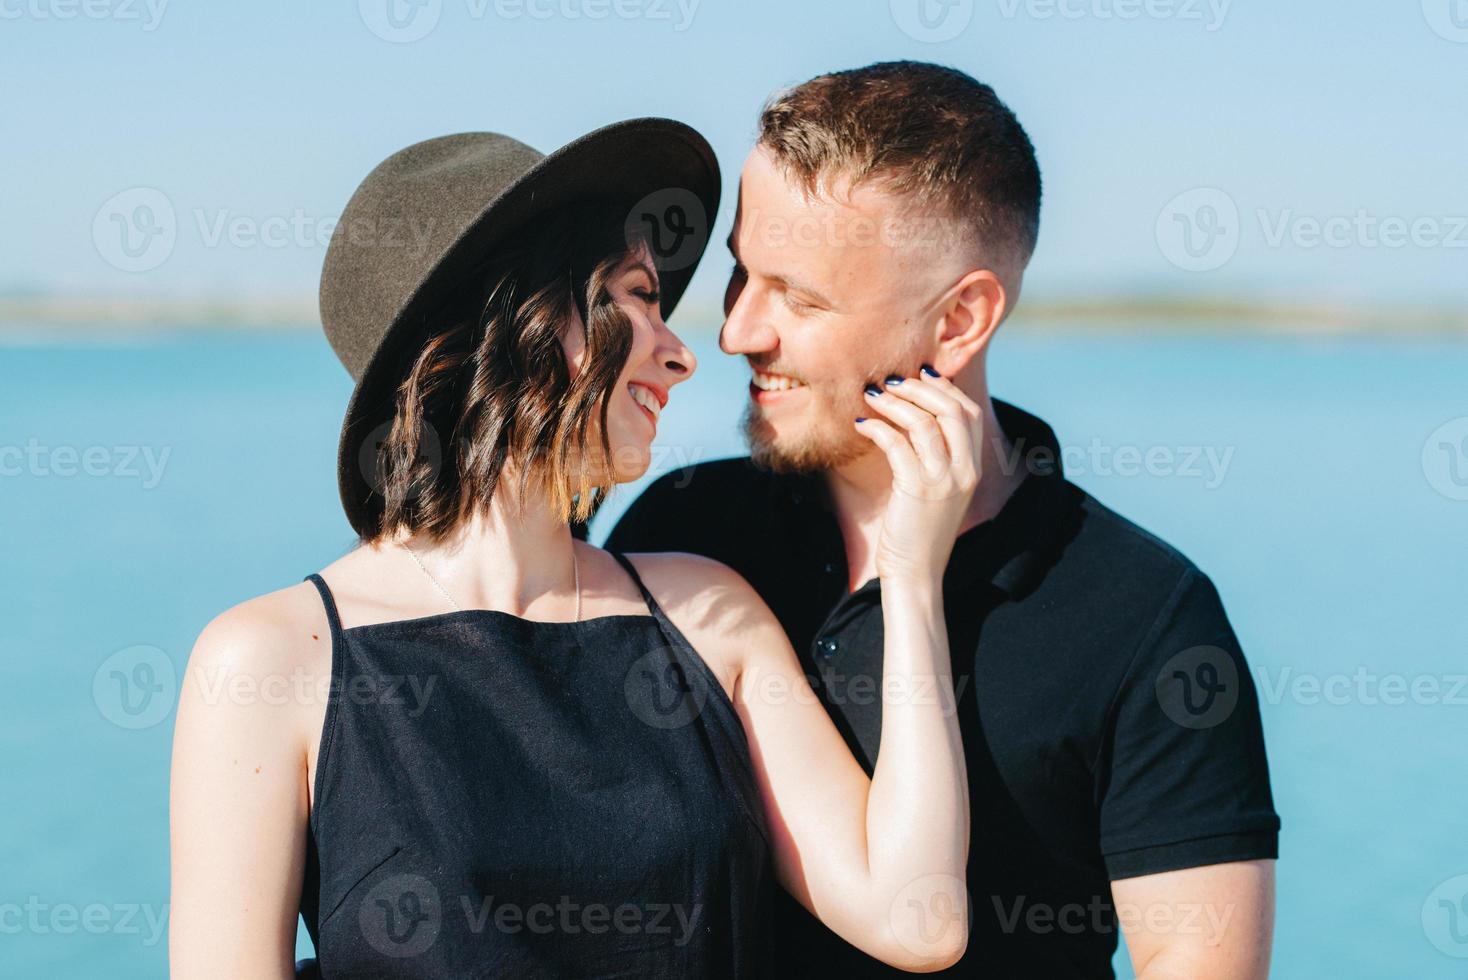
[{"x": 649, "y": 296}]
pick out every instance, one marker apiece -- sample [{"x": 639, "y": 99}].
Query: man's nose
[{"x": 744, "y": 331}]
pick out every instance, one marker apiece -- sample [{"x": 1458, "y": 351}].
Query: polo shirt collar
[{"x": 1013, "y": 549}]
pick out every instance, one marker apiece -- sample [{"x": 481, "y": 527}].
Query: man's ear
[{"x": 971, "y": 311}]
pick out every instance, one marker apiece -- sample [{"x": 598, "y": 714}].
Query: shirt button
[
  {"x": 827, "y": 647},
  {"x": 829, "y": 567}
]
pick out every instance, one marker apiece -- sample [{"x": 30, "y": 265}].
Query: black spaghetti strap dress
[{"x": 499, "y": 797}]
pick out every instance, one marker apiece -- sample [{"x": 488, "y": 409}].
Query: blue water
[{"x": 1338, "y": 544}]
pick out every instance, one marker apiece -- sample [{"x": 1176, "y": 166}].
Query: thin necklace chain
[{"x": 575, "y": 570}]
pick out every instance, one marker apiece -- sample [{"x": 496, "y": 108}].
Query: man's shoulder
[
  {"x": 1110, "y": 532},
  {"x": 697, "y": 508},
  {"x": 733, "y": 475},
  {"x": 1115, "y": 567},
  {"x": 724, "y": 488}
]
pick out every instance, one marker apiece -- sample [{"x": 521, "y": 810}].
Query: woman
[{"x": 475, "y": 745}]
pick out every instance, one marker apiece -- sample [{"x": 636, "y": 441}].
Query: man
[{"x": 1112, "y": 733}]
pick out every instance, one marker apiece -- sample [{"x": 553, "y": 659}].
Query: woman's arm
[
  {"x": 238, "y": 799},
  {"x": 881, "y": 861}
]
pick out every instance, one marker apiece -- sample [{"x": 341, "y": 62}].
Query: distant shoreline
[{"x": 87, "y": 316}]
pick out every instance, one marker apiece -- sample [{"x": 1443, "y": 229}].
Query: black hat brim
[{"x": 627, "y": 160}]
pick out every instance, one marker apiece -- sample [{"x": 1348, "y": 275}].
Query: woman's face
[{"x": 657, "y": 361}]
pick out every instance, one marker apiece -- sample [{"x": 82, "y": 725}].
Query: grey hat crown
[{"x": 427, "y": 218}]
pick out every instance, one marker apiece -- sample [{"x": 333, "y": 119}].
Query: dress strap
[
  {"x": 326, "y": 600},
  {"x": 652, "y": 604},
  {"x": 713, "y": 706}
]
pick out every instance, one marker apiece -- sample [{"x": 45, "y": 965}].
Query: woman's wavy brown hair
[{"x": 496, "y": 380}]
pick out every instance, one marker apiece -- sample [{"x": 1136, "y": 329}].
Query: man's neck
[{"x": 858, "y": 493}]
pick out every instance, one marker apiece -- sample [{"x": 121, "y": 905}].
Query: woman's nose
[{"x": 677, "y": 358}]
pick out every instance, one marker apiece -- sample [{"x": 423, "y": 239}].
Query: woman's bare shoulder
[
  {"x": 282, "y": 633},
  {"x": 715, "y": 607}
]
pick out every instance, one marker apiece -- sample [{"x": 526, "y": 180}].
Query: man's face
[{"x": 825, "y": 297}]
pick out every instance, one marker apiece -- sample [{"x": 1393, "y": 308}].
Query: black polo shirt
[{"x": 1111, "y": 726}]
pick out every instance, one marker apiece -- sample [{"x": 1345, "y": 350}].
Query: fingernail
[
  {"x": 928, "y": 369},
  {"x": 893, "y": 379},
  {"x": 872, "y": 390},
  {"x": 860, "y": 420}
]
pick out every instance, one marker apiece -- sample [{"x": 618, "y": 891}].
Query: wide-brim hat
[{"x": 430, "y": 217}]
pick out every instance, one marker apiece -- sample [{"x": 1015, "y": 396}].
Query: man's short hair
[{"x": 929, "y": 133}]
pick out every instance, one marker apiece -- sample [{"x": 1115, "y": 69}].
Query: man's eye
[{"x": 797, "y": 306}]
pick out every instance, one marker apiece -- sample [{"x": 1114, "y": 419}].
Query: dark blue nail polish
[
  {"x": 893, "y": 379},
  {"x": 872, "y": 390},
  {"x": 928, "y": 370},
  {"x": 860, "y": 420}
]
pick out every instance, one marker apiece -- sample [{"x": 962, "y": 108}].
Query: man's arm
[
  {"x": 1188, "y": 827},
  {"x": 1208, "y": 923}
]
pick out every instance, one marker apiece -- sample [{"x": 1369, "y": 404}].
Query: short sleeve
[{"x": 1185, "y": 782}]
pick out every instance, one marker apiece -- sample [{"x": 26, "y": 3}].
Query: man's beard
[{"x": 813, "y": 452}]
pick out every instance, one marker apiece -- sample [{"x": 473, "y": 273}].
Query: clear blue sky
[{"x": 1298, "y": 111}]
